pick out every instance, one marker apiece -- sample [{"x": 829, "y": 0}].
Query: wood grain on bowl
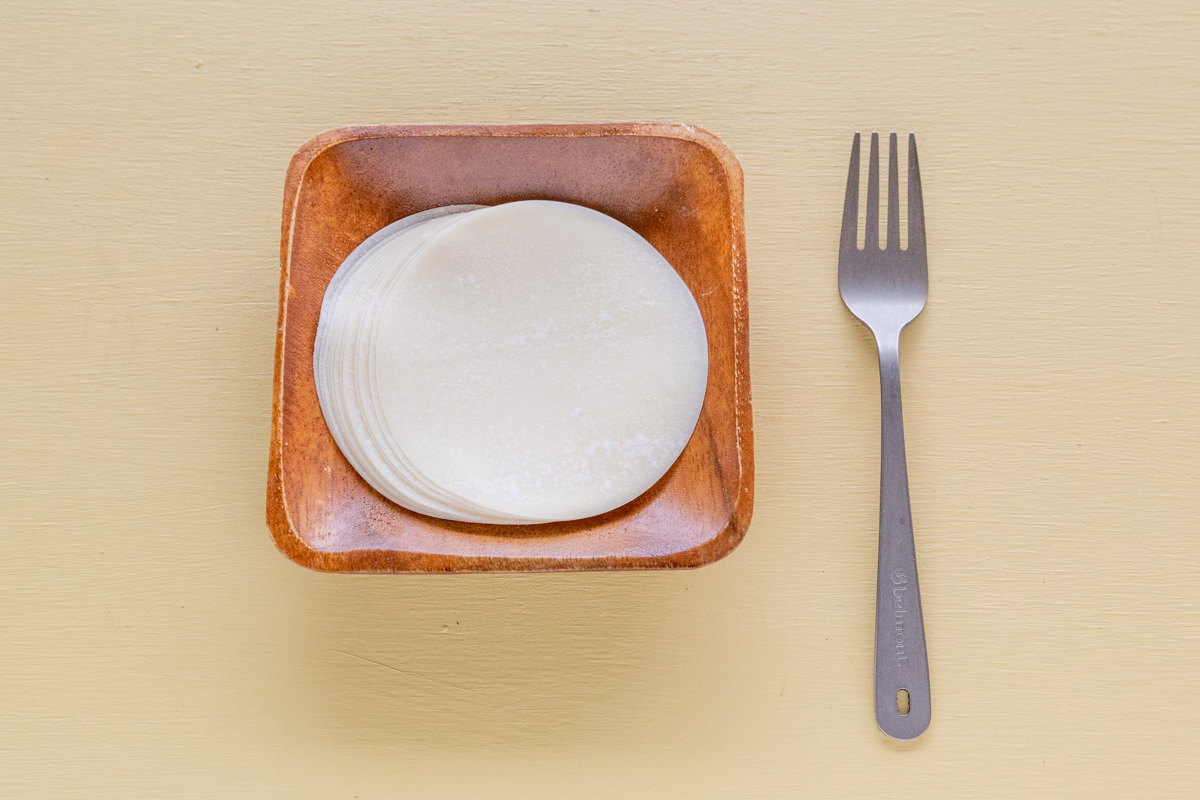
[{"x": 676, "y": 185}]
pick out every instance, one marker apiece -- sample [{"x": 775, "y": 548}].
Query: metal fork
[{"x": 886, "y": 289}]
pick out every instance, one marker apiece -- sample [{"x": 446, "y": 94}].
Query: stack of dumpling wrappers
[{"x": 513, "y": 364}]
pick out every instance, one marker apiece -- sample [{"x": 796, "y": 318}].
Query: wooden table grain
[{"x": 153, "y": 643}]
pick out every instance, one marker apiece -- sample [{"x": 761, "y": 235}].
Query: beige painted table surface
[{"x": 154, "y": 644}]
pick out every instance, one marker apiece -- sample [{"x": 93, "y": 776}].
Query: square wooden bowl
[{"x": 676, "y": 185}]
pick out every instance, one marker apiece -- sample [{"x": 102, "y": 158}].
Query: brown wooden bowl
[{"x": 676, "y": 185}]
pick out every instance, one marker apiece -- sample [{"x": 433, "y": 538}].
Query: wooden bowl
[{"x": 676, "y": 185}]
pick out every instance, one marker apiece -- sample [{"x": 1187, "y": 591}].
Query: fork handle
[{"x": 900, "y": 657}]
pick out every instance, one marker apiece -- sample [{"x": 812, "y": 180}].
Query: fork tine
[
  {"x": 850, "y": 214},
  {"x": 893, "y": 217},
  {"x": 871, "y": 240},
  {"x": 916, "y": 207}
]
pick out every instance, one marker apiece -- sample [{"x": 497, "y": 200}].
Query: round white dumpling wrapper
[{"x": 541, "y": 360}]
